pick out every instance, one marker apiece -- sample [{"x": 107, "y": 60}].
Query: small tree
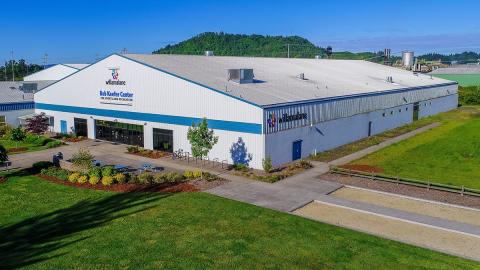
[
  {"x": 17, "y": 135},
  {"x": 267, "y": 164},
  {"x": 201, "y": 139},
  {"x": 82, "y": 160},
  {"x": 37, "y": 124},
  {"x": 3, "y": 154}
]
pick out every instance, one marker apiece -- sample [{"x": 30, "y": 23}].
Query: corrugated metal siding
[{"x": 328, "y": 110}]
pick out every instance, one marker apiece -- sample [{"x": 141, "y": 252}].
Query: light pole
[{"x": 13, "y": 70}]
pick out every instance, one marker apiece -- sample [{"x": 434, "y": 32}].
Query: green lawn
[
  {"x": 462, "y": 79},
  {"x": 50, "y": 226},
  {"x": 448, "y": 154},
  {"x": 31, "y": 146}
]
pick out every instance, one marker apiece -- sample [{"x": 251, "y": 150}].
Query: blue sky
[{"x": 78, "y": 31}]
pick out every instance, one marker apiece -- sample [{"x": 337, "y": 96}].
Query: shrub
[
  {"x": 5, "y": 130},
  {"x": 53, "y": 144},
  {"x": 188, "y": 174},
  {"x": 94, "y": 180},
  {"x": 95, "y": 171},
  {"x": 107, "y": 180},
  {"x": 173, "y": 177},
  {"x": 240, "y": 167},
  {"x": 209, "y": 177},
  {"x": 144, "y": 178},
  {"x": 3, "y": 154},
  {"x": 159, "y": 178},
  {"x": 305, "y": 164},
  {"x": 108, "y": 171},
  {"x": 197, "y": 174},
  {"x": 120, "y": 178},
  {"x": 82, "y": 159},
  {"x": 31, "y": 138},
  {"x": 59, "y": 173},
  {"x": 82, "y": 179},
  {"x": 41, "y": 140},
  {"x": 267, "y": 164},
  {"x": 132, "y": 149},
  {"x": 39, "y": 166},
  {"x": 73, "y": 177}
]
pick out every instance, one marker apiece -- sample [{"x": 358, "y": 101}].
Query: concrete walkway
[
  {"x": 357, "y": 155},
  {"x": 286, "y": 195}
]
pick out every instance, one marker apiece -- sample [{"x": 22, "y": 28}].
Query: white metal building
[
  {"x": 285, "y": 109},
  {"x": 14, "y": 103},
  {"x": 54, "y": 73}
]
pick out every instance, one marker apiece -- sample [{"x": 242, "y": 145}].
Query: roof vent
[
  {"x": 389, "y": 79},
  {"x": 208, "y": 53},
  {"x": 241, "y": 75}
]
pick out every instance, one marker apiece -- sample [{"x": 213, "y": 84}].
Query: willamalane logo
[{"x": 114, "y": 80}]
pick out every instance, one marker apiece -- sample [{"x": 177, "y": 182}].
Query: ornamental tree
[
  {"x": 17, "y": 135},
  {"x": 37, "y": 124},
  {"x": 201, "y": 139}
]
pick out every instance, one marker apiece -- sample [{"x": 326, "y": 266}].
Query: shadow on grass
[{"x": 34, "y": 239}]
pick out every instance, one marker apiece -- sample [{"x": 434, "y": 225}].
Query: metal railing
[{"x": 462, "y": 190}]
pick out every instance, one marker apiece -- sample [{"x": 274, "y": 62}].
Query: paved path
[
  {"x": 357, "y": 155},
  {"x": 285, "y": 195}
]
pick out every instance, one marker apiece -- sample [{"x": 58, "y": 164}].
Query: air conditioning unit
[{"x": 241, "y": 75}]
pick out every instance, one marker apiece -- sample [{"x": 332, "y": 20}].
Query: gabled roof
[
  {"x": 10, "y": 93},
  {"x": 277, "y": 80}
]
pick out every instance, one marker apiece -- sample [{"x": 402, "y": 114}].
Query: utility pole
[
  {"x": 288, "y": 50},
  {"x": 124, "y": 51},
  {"x": 45, "y": 59},
  {"x": 5, "y": 70},
  {"x": 13, "y": 69}
]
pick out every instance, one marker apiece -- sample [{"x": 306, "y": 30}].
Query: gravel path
[
  {"x": 417, "y": 192},
  {"x": 433, "y": 209},
  {"x": 407, "y": 232}
]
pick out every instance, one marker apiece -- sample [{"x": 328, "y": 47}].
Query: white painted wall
[
  {"x": 53, "y": 73},
  {"x": 157, "y": 93},
  {"x": 346, "y": 130}
]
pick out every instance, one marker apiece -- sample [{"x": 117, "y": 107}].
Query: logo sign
[
  {"x": 272, "y": 120},
  {"x": 116, "y": 98},
  {"x": 285, "y": 118},
  {"x": 114, "y": 80}
]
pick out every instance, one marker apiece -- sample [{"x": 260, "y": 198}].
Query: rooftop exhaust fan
[{"x": 241, "y": 75}]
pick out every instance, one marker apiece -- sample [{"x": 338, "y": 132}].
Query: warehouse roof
[
  {"x": 460, "y": 69},
  {"x": 76, "y": 66},
  {"x": 10, "y": 93},
  {"x": 277, "y": 79}
]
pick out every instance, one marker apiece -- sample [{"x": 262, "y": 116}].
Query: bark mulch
[
  {"x": 3, "y": 179},
  {"x": 407, "y": 190}
]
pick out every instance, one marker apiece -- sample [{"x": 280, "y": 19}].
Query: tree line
[{"x": 17, "y": 70}]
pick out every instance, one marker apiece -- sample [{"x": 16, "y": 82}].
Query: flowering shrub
[
  {"x": 94, "y": 180},
  {"x": 107, "y": 180},
  {"x": 120, "y": 178},
  {"x": 73, "y": 177},
  {"x": 82, "y": 179}
]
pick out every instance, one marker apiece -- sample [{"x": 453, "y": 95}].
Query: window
[
  {"x": 3, "y": 120},
  {"x": 406, "y": 109},
  {"x": 399, "y": 110},
  {"x": 391, "y": 112},
  {"x": 383, "y": 114},
  {"x": 430, "y": 103},
  {"x": 51, "y": 121}
]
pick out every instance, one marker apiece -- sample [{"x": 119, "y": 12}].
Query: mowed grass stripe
[{"x": 448, "y": 154}]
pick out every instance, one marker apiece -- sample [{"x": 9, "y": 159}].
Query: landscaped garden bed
[
  {"x": 135, "y": 150},
  {"x": 107, "y": 178},
  {"x": 18, "y": 141},
  {"x": 270, "y": 174},
  {"x": 72, "y": 138}
]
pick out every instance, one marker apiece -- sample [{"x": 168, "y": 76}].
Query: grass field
[
  {"x": 30, "y": 146},
  {"x": 462, "y": 79},
  {"x": 448, "y": 154},
  {"x": 50, "y": 226}
]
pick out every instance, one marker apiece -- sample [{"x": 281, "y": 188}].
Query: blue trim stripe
[
  {"x": 16, "y": 106},
  {"x": 158, "y": 118}
]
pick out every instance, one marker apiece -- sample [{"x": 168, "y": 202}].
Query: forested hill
[
  {"x": 244, "y": 45},
  {"x": 223, "y": 44}
]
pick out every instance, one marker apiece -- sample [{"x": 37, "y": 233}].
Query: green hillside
[{"x": 223, "y": 44}]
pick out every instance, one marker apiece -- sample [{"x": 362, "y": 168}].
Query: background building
[{"x": 284, "y": 109}]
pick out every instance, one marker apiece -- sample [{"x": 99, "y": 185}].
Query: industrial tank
[{"x": 407, "y": 58}]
